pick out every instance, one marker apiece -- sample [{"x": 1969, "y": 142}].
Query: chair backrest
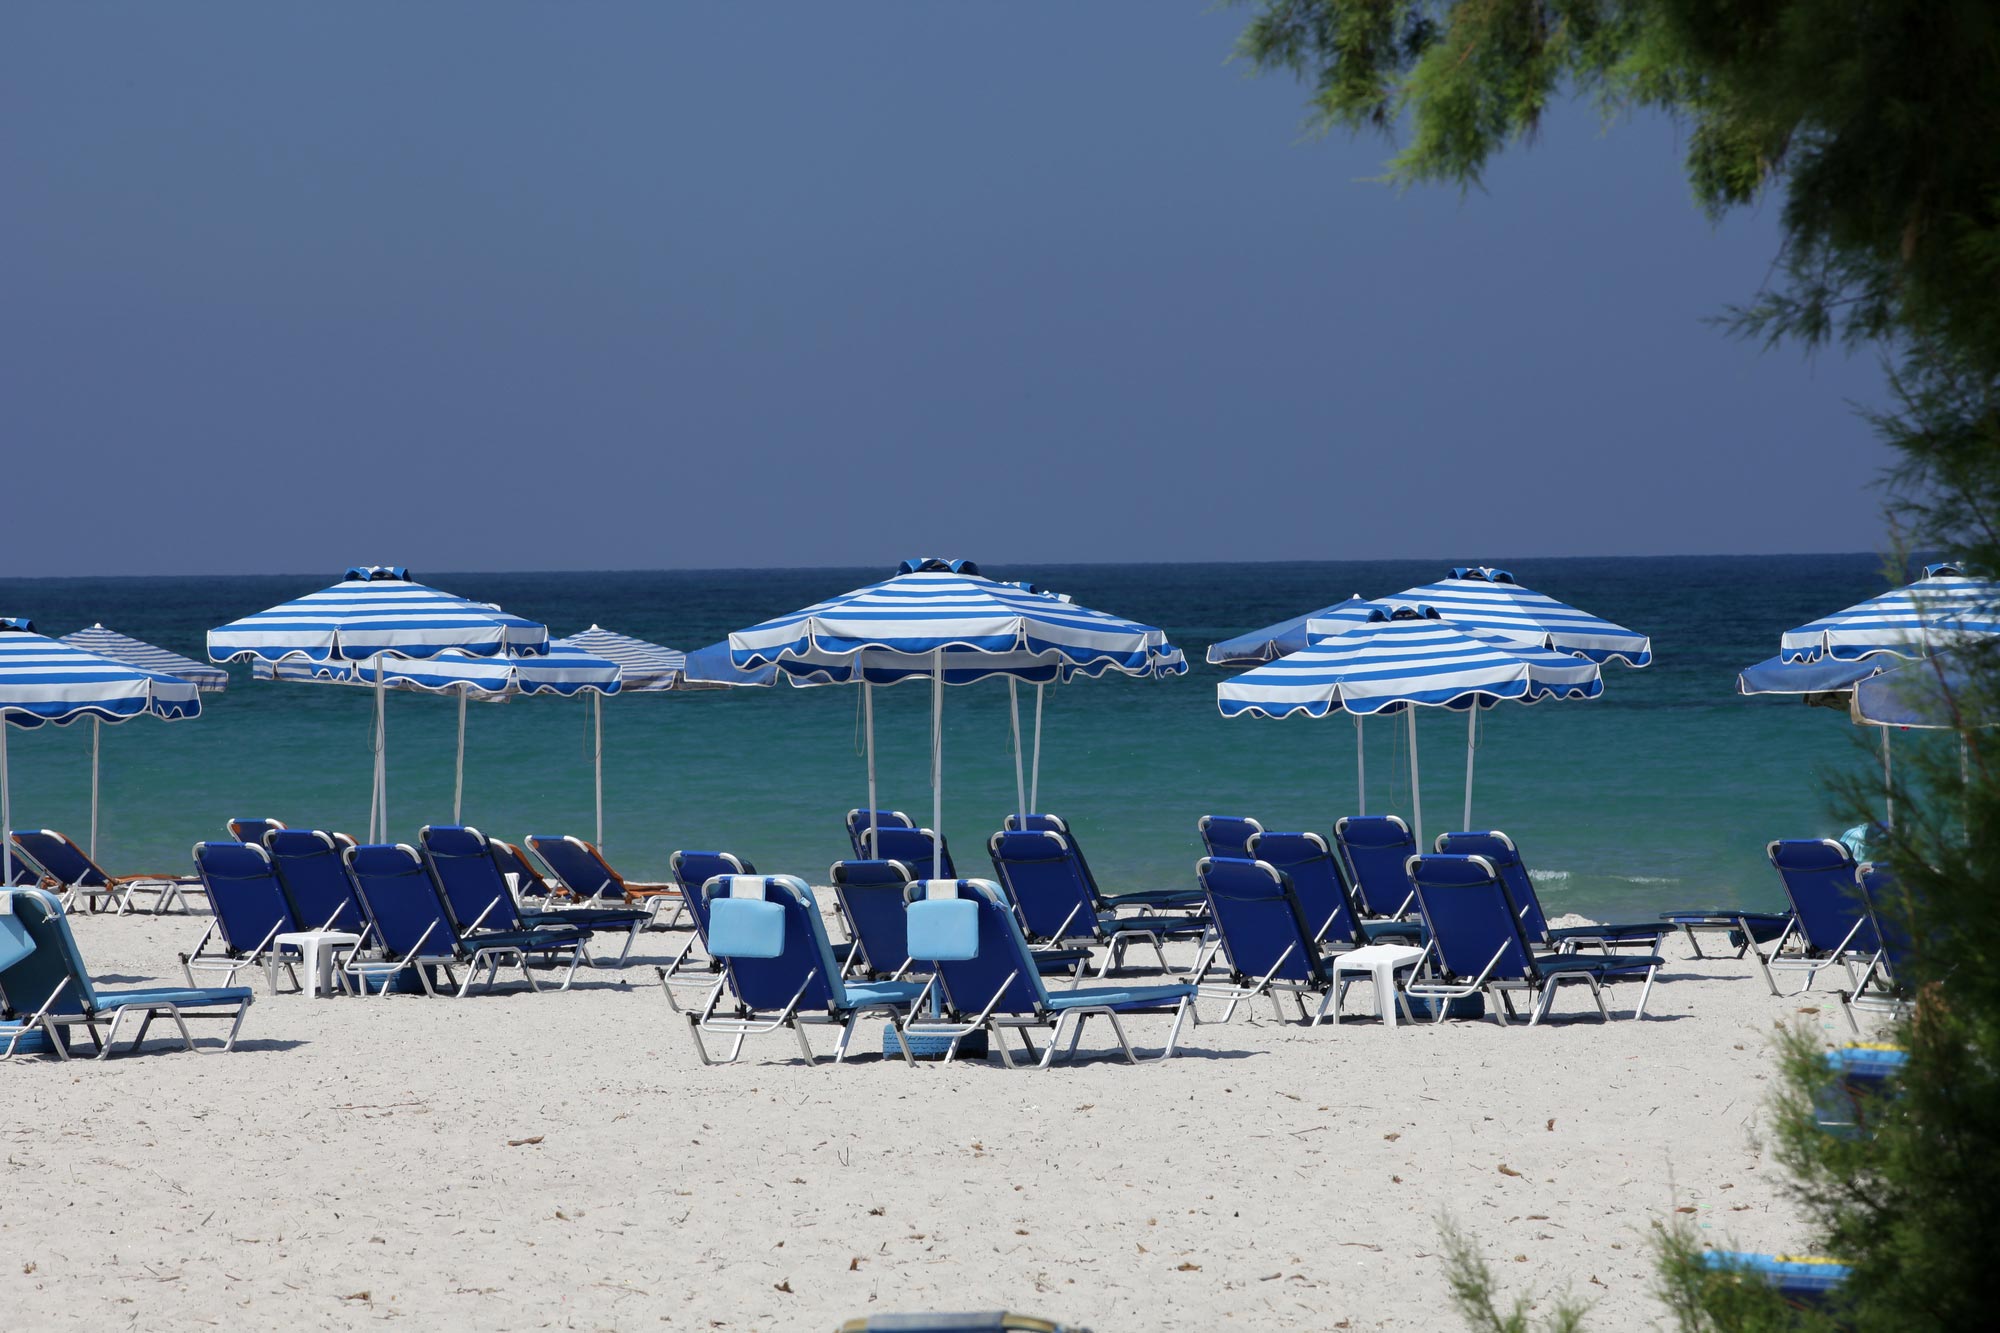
[
  {"x": 32, "y": 979},
  {"x": 1227, "y": 835},
  {"x": 24, "y": 873},
  {"x": 1316, "y": 882},
  {"x": 1000, "y": 954},
  {"x": 1377, "y": 848},
  {"x": 396, "y": 891},
  {"x": 1471, "y": 919},
  {"x": 253, "y": 830},
  {"x": 691, "y": 870},
  {"x": 911, "y": 846},
  {"x": 511, "y": 860},
  {"x": 1258, "y": 915},
  {"x": 1819, "y": 879},
  {"x": 580, "y": 866},
  {"x": 1033, "y": 823},
  {"x": 858, "y": 821},
  {"x": 763, "y": 979},
  {"x": 871, "y": 897},
  {"x": 1045, "y": 881},
  {"x": 1498, "y": 848},
  {"x": 1890, "y": 911},
  {"x": 314, "y": 879},
  {"x": 60, "y": 857},
  {"x": 462, "y": 864},
  {"x": 244, "y": 892}
]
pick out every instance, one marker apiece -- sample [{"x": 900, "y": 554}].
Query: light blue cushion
[
  {"x": 745, "y": 928},
  {"x": 943, "y": 929},
  {"x": 15, "y": 942}
]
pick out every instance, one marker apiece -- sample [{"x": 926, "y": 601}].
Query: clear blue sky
[{"x": 519, "y": 286}]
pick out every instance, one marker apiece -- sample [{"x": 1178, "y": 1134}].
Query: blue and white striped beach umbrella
[
  {"x": 562, "y": 670},
  {"x": 378, "y": 615},
  {"x": 46, "y": 682},
  {"x": 1400, "y": 659},
  {"x": 1287, "y": 636},
  {"x": 1491, "y": 602},
  {"x": 1940, "y": 609},
  {"x": 943, "y": 621},
  {"x": 147, "y": 657}
]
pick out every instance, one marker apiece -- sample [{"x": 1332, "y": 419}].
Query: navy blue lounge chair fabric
[
  {"x": 1137, "y": 899},
  {"x": 250, "y": 912},
  {"x": 1227, "y": 835},
  {"x": 989, "y": 979},
  {"x": 314, "y": 880},
  {"x": 911, "y": 846},
  {"x": 779, "y": 964},
  {"x": 858, "y": 823},
  {"x": 1499, "y": 849},
  {"x": 80, "y": 877},
  {"x": 1046, "y": 882},
  {"x": 1829, "y": 916},
  {"x": 461, "y": 861},
  {"x": 415, "y": 929},
  {"x": 1377, "y": 849},
  {"x": 1477, "y": 943},
  {"x": 1322, "y": 890},
  {"x": 256, "y": 831}
]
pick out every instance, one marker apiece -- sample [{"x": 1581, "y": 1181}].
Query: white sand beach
[{"x": 517, "y": 1161}]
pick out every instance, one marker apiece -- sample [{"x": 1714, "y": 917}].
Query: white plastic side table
[
  {"x": 1378, "y": 961},
  {"x": 316, "y": 949}
]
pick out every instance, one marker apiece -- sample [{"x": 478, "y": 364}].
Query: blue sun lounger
[
  {"x": 255, "y": 831},
  {"x": 314, "y": 879},
  {"x": 858, "y": 823},
  {"x": 250, "y": 912},
  {"x": 966, "y": 933},
  {"x": 1477, "y": 945},
  {"x": 49, "y": 988},
  {"x": 461, "y": 863},
  {"x": 1885, "y": 985},
  {"x": 912, "y": 846},
  {"x": 871, "y": 900},
  {"x": 31, "y": 1033},
  {"x": 779, "y": 966},
  {"x": 1830, "y": 924},
  {"x": 1323, "y": 894},
  {"x": 1269, "y": 939},
  {"x": 76, "y": 876},
  {"x": 1377, "y": 850},
  {"x": 581, "y": 868},
  {"x": 529, "y": 882},
  {"x": 1045, "y": 881},
  {"x": 1499, "y": 849},
  {"x": 1802, "y": 1280},
  {"x": 691, "y": 870},
  {"x": 416, "y": 932},
  {"x": 1227, "y": 835},
  {"x": 1138, "y": 900}
]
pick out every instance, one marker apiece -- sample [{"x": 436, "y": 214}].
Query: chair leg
[{"x": 1646, "y": 992}]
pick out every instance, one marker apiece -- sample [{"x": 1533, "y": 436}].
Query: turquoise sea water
[{"x": 1661, "y": 793}]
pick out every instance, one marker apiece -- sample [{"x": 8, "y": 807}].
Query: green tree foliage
[{"x": 1876, "y": 123}]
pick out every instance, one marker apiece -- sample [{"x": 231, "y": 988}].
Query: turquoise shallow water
[{"x": 1661, "y": 793}]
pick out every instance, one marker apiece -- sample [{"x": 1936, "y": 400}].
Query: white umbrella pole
[
  {"x": 96, "y": 738},
  {"x": 597, "y": 757},
  {"x": 458, "y": 775},
  {"x": 937, "y": 764},
  {"x": 1471, "y": 745},
  {"x": 1888, "y": 789},
  {"x": 1360, "y": 769},
  {"x": 378, "y": 818},
  {"x": 1035, "y": 781},
  {"x": 868, "y": 725},
  {"x": 1020, "y": 776},
  {"x": 1416, "y": 787}
]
